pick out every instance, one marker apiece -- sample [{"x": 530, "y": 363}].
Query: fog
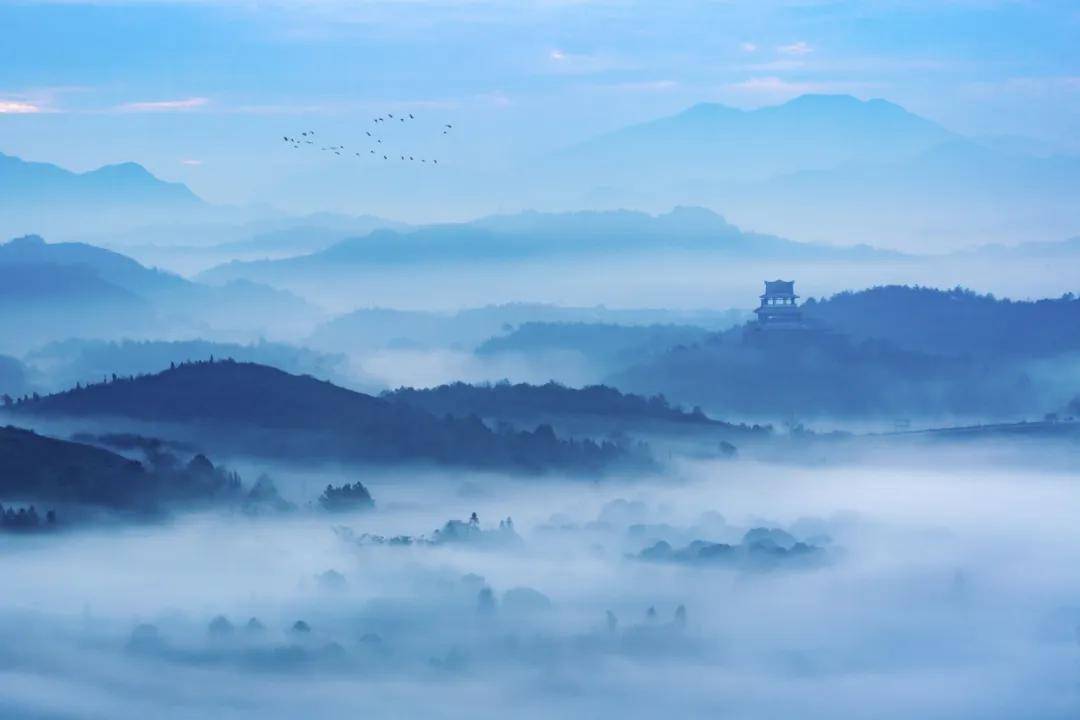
[
  {"x": 669, "y": 280},
  {"x": 942, "y": 587}
]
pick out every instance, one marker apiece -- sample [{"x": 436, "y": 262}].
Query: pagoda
[{"x": 779, "y": 309}]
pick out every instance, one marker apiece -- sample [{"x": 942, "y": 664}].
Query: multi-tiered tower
[{"x": 779, "y": 309}]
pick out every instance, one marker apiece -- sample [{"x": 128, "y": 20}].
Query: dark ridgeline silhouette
[
  {"x": 50, "y": 470},
  {"x": 885, "y": 351},
  {"x": 957, "y": 322},
  {"x": 74, "y": 361},
  {"x": 510, "y": 402},
  {"x": 266, "y": 411}
]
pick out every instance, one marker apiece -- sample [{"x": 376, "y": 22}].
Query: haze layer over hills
[{"x": 821, "y": 168}]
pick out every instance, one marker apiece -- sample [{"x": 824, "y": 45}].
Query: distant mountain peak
[{"x": 128, "y": 170}]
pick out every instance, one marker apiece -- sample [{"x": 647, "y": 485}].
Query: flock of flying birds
[{"x": 307, "y": 138}]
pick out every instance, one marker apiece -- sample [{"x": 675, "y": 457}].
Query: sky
[{"x": 201, "y": 91}]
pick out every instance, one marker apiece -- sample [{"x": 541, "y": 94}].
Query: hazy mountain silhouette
[
  {"x": 261, "y": 410},
  {"x": 966, "y": 193},
  {"x": 189, "y": 248},
  {"x": 605, "y": 345},
  {"x": 79, "y": 290},
  {"x": 1068, "y": 249},
  {"x": 111, "y": 267},
  {"x": 371, "y": 328},
  {"x": 32, "y": 182},
  {"x": 41, "y": 197},
  {"x": 43, "y": 301},
  {"x": 821, "y": 168},
  {"x": 538, "y": 236},
  {"x": 716, "y": 142}
]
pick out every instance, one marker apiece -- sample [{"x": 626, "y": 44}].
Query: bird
[
  {"x": 435, "y": 161},
  {"x": 390, "y": 115},
  {"x": 410, "y": 157},
  {"x": 410, "y": 116},
  {"x": 448, "y": 126},
  {"x": 401, "y": 119},
  {"x": 368, "y": 133},
  {"x": 379, "y": 141},
  {"x": 372, "y": 152},
  {"x": 444, "y": 132},
  {"x": 385, "y": 158}
]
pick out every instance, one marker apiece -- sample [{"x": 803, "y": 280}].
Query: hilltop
[{"x": 266, "y": 411}]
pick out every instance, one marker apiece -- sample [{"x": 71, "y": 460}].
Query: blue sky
[{"x": 199, "y": 91}]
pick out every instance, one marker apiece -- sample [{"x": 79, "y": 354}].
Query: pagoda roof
[{"x": 784, "y": 288}]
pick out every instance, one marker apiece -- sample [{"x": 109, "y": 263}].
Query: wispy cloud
[
  {"x": 797, "y": 49},
  {"x": 748, "y": 47},
  {"x": 18, "y": 107},
  {"x": 181, "y": 105},
  {"x": 567, "y": 63},
  {"x": 192, "y": 163}
]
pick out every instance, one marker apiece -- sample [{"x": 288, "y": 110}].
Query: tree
[{"x": 345, "y": 498}]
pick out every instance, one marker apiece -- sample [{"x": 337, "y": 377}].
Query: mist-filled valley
[
  {"x": 938, "y": 588},
  {"x": 604, "y": 360}
]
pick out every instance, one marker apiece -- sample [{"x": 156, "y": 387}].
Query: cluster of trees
[
  {"x": 24, "y": 519},
  {"x": 346, "y": 498}
]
